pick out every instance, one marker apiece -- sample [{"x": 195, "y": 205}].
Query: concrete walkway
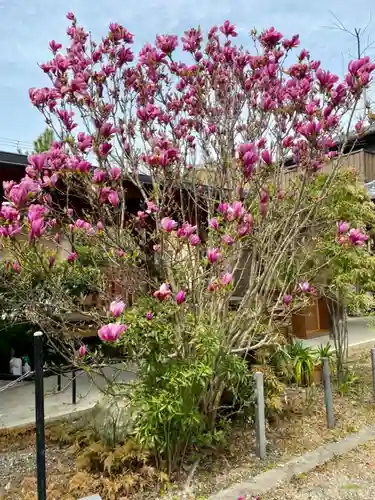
[
  {"x": 17, "y": 404},
  {"x": 361, "y": 332}
]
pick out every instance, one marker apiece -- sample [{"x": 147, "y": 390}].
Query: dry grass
[{"x": 301, "y": 428}]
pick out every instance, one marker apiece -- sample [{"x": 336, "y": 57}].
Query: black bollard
[
  {"x": 74, "y": 387},
  {"x": 39, "y": 416}
]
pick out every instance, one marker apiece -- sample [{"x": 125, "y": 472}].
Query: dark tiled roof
[{"x": 13, "y": 158}]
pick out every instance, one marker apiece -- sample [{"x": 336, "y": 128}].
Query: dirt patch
[
  {"x": 351, "y": 477},
  {"x": 303, "y": 428}
]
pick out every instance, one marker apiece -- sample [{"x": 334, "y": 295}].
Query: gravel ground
[
  {"x": 351, "y": 477},
  {"x": 16, "y": 465}
]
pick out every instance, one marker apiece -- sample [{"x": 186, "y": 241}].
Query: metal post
[
  {"x": 328, "y": 399},
  {"x": 373, "y": 370},
  {"x": 59, "y": 382},
  {"x": 260, "y": 421},
  {"x": 39, "y": 416},
  {"x": 74, "y": 387}
]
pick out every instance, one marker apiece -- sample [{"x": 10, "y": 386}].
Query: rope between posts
[
  {"x": 14, "y": 382},
  {"x": 23, "y": 376}
]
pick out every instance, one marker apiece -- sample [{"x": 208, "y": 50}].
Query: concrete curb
[
  {"x": 269, "y": 480},
  {"x": 65, "y": 417}
]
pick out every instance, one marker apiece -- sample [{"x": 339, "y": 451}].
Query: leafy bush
[{"x": 179, "y": 399}]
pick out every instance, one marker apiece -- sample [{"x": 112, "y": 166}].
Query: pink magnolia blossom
[
  {"x": 36, "y": 212},
  {"x": 359, "y": 127},
  {"x": 54, "y": 46},
  {"x": 343, "y": 227},
  {"x": 305, "y": 287},
  {"x": 82, "y": 351},
  {"x": 100, "y": 226},
  {"x": 99, "y": 176},
  {"x": 213, "y": 224},
  {"x": 228, "y": 29},
  {"x": 163, "y": 293},
  {"x": 104, "y": 194},
  {"x": 186, "y": 230},
  {"x": 152, "y": 208},
  {"x": 271, "y": 37},
  {"x": 117, "y": 308},
  {"x": 10, "y": 230},
  {"x": 180, "y": 297},
  {"x": 72, "y": 257},
  {"x": 104, "y": 149},
  {"x": 80, "y": 223},
  {"x": 107, "y": 129},
  {"x": 111, "y": 332},
  {"x": 249, "y": 157},
  {"x": 167, "y": 43},
  {"x": 141, "y": 216},
  {"x": 115, "y": 173},
  {"x": 84, "y": 142},
  {"x": 227, "y": 239},
  {"x": 235, "y": 211},
  {"x": 213, "y": 255},
  {"x": 243, "y": 230},
  {"x": 357, "y": 237},
  {"x": 25, "y": 190},
  {"x": 212, "y": 285},
  {"x": 267, "y": 157},
  {"x": 195, "y": 240},
  {"x": 263, "y": 209},
  {"x": 9, "y": 213},
  {"x": 16, "y": 267},
  {"x": 222, "y": 207},
  {"x": 38, "y": 161},
  {"x": 37, "y": 228},
  {"x": 287, "y": 299},
  {"x": 264, "y": 196},
  {"x": 168, "y": 224},
  {"x": 113, "y": 198},
  {"x": 226, "y": 279}
]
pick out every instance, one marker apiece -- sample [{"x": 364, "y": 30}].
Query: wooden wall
[{"x": 362, "y": 161}]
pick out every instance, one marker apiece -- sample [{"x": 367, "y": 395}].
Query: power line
[{"x": 15, "y": 145}]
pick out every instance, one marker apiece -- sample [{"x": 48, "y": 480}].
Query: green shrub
[{"x": 186, "y": 385}]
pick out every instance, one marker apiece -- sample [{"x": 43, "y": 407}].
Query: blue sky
[{"x": 26, "y": 26}]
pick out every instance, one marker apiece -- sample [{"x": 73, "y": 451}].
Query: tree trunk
[{"x": 339, "y": 334}]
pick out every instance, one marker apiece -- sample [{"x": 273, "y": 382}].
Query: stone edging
[{"x": 269, "y": 480}]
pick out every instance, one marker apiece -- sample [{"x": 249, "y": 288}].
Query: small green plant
[
  {"x": 349, "y": 383},
  {"x": 325, "y": 351},
  {"x": 303, "y": 359}
]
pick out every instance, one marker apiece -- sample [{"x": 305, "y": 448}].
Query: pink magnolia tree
[{"x": 206, "y": 142}]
